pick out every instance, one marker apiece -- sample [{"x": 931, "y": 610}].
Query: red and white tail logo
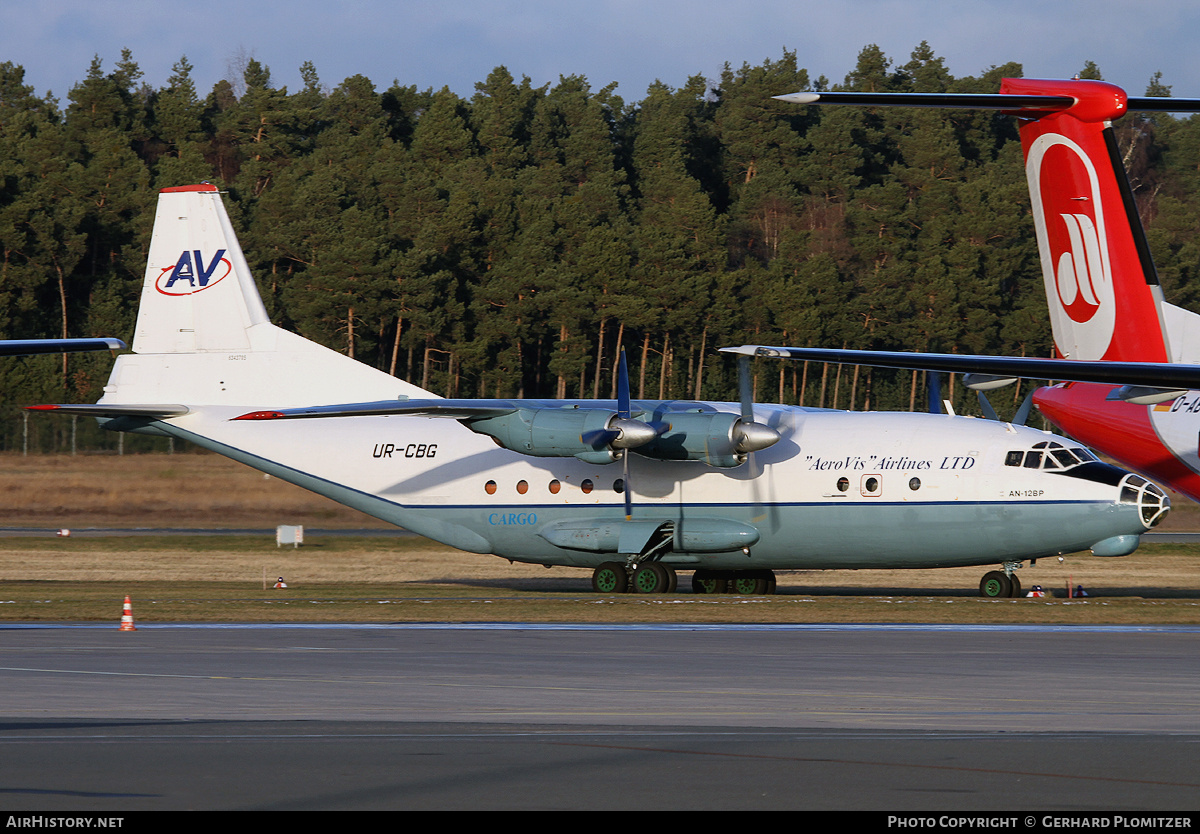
[
  {"x": 1069, "y": 217},
  {"x": 1082, "y": 259}
]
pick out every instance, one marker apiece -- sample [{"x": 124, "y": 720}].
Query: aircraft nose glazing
[{"x": 1153, "y": 504}]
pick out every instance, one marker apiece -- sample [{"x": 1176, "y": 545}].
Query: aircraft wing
[
  {"x": 454, "y": 409},
  {"x": 22, "y": 347},
  {"x": 1161, "y": 375}
]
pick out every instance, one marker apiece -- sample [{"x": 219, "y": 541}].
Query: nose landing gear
[{"x": 1001, "y": 584}]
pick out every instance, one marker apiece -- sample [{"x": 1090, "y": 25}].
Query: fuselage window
[
  {"x": 522, "y": 487},
  {"x": 619, "y": 485},
  {"x": 843, "y": 484},
  {"x": 490, "y": 487},
  {"x": 1014, "y": 458},
  {"x": 587, "y": 486},
  {"x": 914, "y": 484},
  {"x": 555, "y": 486}
]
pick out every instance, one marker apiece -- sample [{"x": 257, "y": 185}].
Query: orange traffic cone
[{"x": 127, "y": 617}]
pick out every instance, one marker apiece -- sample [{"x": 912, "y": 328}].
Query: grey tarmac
[{"x": 893, "y": 719}]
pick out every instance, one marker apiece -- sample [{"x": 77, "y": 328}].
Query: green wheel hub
[{"x": 610, "y": 578}]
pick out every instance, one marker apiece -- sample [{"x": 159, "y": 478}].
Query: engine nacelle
[
  {"x": 716, "y": 438},
  {"x": 597, "y": 435},
  {"x": 590, "y": 434}
]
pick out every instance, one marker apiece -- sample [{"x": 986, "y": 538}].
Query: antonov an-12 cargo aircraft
[{"x": 632, "y": 490}]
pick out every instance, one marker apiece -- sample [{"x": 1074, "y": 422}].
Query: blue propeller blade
[
  {"x": 745, "y": 388},
  {"x": 935, "y": 392}
]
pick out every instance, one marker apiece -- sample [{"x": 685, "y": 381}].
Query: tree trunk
[
  {"x": 617, "y": 358},
  {"x": 62, "y": 302},
  {"x": 642, "y": 372},
  {"x": 662, "y": 369},
  {"x": 425, "y": 367},
  {"x": 561, "y": 389},
  {"x": 599, "y": 362},
  {"x": 396, "y": 345}
]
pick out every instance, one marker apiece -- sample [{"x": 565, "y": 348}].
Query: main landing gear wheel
[
  {"x": 652, "y": 578},
  {"x": 753, "y": 582},
  {"x": 708, "y": 582},
  {"x": 610, "y": 578},
  {"x": 747, "y": 582},
  {"x": 995, "y": 585},
  {"x": 1016, "y": 585}
]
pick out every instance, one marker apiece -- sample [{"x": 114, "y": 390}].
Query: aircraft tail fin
[
  {"x": 203, "y": 336},
  {"x": 1101, "y": 285}
]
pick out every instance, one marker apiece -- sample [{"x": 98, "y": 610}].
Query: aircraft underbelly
[{"x": 861, "y": 536}]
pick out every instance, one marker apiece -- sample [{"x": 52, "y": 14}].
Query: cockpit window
[
  {"x": 1064, "y": 457},
  {"x": 1048, "y": 455}
]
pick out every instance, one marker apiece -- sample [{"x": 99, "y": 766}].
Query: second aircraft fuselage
[{"x": 1162, "y": 441}]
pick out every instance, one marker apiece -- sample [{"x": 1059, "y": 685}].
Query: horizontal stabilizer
[
  {"x": 1014, "y": 104},
  {"x": 1144, "y": 395},
  {"x": 970, "y": 101},
  {"x": 24, "y": 347},
  {"x": 1153, "y": 374},
  {"x": 157, "y": 412}
]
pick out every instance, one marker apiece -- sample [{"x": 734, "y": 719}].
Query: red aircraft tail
[
  {"x": 1101, "y": 285},
  {"x": 1103, "y": 292}
]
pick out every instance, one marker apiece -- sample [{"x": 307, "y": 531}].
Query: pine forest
[{"x": 511, "y": 243}]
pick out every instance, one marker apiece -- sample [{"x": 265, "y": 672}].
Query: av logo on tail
[
  {"x": 190, "y": 274},
  {"x": 1069, "y": 214}
]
